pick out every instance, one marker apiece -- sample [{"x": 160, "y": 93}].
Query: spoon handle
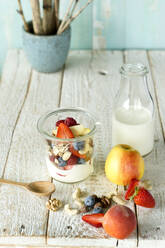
[{"x": 12, "y": 182}]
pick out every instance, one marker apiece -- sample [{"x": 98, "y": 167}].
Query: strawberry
[
  {"x": 131, "y": 188},
  {"x": 64, "y": 132},
  {"x": 139, "y": 194},
  {"x": 69, "y": 121},
  {"x": 76, "y": 153},
  {"x": 144, "y": 199},
  {"x": 72, "y": 160},
  {"x": 94, "y": 219},
  {"x": 58, "y": 122}
]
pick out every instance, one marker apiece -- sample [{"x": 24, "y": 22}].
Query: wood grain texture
[
  {"x": 156, "y": 59},
  {"x": 23, "y": 214},
  {"x": 150, "y": 221},
  {"x": 24, "y": 220},
  {"x": 13, "y": 88},
  {"x": 84, "y": 86}
]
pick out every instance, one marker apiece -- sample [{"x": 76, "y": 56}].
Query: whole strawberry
[
  {"x": 139, "y": 194},
  {"x": 144, "y": 198}
]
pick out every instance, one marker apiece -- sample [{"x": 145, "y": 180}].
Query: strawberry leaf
[{"x": 135, "y": 193}]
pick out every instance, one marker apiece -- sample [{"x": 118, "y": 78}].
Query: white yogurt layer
[{"x": 77, "y": 173}]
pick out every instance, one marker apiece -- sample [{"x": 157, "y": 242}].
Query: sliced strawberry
[
  {"x": 131, "y": 188},
  {"x": 76, "y": 153},
  {"x": 64, "y": 132},
  {"x": 94, "y": 219},
  {"x": 144, "y": 199}
]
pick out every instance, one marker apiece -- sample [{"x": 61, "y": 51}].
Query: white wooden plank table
[{"x": 24, "y": 96}]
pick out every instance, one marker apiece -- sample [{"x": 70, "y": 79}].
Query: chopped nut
[
  {"x": 55, "y": 150},
  {"x": 49, "y": 153},
  {"x": 146, "y": 184},
  {"x": 53, "y": 204},
  {"x": 105, "y": 201},
  {"x": 85, "y": 209},
  {"x": 79, "y": 203},
  {"x": 56, "y": 161},
  {"x": 98, "y": 204},
  {"x": 95, "y": 196},
  {"x": 66, "y": 155},
  {"x": 54, "y": 132},
  {"x": 76, "y": 194},
  {"x": 69, "y": 210},
  {"x": 82, "y": 152},
  {"x": 60, "y": 154},
  {"x": 63, "y": 148},
  {"x": 119, "y": 200}
]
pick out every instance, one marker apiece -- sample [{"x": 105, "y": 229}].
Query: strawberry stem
[{"x": 135, "y": 193}]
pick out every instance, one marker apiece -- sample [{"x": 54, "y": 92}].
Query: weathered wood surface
[
  {"x": 24, "y": 96},
  {"x": 22, "y": 214}
]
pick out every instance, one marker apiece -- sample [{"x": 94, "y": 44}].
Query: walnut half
[{"x": 53, "y": 204}]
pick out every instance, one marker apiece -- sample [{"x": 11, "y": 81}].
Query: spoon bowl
[{"x": 41, "y": 188}]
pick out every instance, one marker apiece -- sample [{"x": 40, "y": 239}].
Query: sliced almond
[
  {"x": 76, "y": 194},
  {"x": 55, "y": 150},
  {"x": 82, "y": 152},
  {"x": 54, "y": 132},
  {"x": 60, "y": 154},
  {"x": 66, "y": 155},
  {"x": 56, "y": 161}
]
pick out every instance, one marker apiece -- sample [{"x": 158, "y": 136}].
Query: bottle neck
[
  {"x": 136, "y": 89},
  {"x": 134, "y": 94}
]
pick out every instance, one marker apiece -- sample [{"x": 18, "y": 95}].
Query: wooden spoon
[{"x": 41, "y": 188}]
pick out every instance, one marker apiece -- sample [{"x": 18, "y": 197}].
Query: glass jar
[
  {"x": 69, "y": 160},
  {"x": 133, "y": 110}
]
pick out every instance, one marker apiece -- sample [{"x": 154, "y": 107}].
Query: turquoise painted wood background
[{"x": 106, "y": 24}]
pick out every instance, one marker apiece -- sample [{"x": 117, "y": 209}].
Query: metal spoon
[{"x": 40, "y": 188}]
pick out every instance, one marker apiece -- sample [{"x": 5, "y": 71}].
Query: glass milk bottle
[{"x": 133, "y": 110}]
